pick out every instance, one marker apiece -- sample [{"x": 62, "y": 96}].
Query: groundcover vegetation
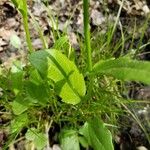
[{"x": 59, "y": 87}]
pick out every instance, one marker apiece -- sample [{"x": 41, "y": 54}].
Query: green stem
[
  {"x": 87, "y": 34},
  {"x": 88, "y": 46},
  {"x": 26, "y": 28}
]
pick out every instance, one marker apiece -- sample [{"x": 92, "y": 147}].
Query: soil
[{"x": 130, "y": 135}]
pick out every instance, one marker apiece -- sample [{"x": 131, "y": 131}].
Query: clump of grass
[{"x": 50, "y": 91}]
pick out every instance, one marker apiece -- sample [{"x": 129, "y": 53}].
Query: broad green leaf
[
  {"x": 16, "y": 77},
  {"x": 69, "y": 140},
  {"x": 52, "y": 64},
  {"x": 39, "y": 60},
  {"x": 90, "y": 136},
  {"x": 102, "y": 133},
  {"x": 18, "y": 108},
  {"x": 63, "y": 44},
  {"x": 83, "y": 141},
  {"x": 37, "y": 92},
  {"x": 97, "y": 135},
  {"x": 84, "y": 131},
  {"x": 35, "y": 77},
  {"x": 19, "y": 122},
  {"x": 17, "y": 66},
  {"x": 125, "y": 69},
  {"x": 39, "y": 139},
  {"x": 16, "y": 82},
  {"x": 31, "y": 134},
  {"x": 20, "y": 105}
]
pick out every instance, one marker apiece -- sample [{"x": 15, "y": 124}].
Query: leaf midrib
[{"x": 64, "y": 74}]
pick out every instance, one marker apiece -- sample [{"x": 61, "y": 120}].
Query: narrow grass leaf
[{"x": 61, "y": 42}]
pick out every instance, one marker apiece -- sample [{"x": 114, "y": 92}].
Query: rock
[
  {"x": 12, "y": 23},
  {"x": 37, "y": 43},
  {"x": 38, "y": 9},
  {"x": 97, "y": 17},
  {"x": 56, "y": 147},
  {"x": 144, "y": 93},
  {"x": 141, "y": 148}
]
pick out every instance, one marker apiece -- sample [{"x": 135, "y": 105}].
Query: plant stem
[
  {"x": 87, "y": 34},
  {"x": 26, "y": 28},
  {"x": 88, "y": 46}
]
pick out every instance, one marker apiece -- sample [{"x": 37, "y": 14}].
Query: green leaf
[
  {"x": 19, "y": 122},
  {"x": 39, "y": 139},
  {"x": 84, "y": 131},
  {"x": 69, "y": 83},
  {"x": 90, "y": 136},
  {"x": 39, "y": 60},
  {"x": 21, "y": 5},
  {"x": 16, "y": 77},
  {"x": 15, "y": 2},
  {"x": 16, "y": 82},
  {"x": 102, "y": 133},
  {"x": 124, "y": 69},
  {"x": 20, "y": 105},
  {"x": 31, "y": 134},
  {"x": 37, "y": 92},
  {"x": 62, "y": 42},
  {"x": 35, "y": 77},
  {"x": 69, "y": 140},
  {"x": 97, "y": 135},
  {"x": 83, "y": 141}
]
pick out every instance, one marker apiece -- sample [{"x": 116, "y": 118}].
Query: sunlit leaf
[
  {"x": 52, "y": 64},
  {"x": 69, "y": 140},
  {"x": 39, "y": 139},
  {"x": 19, "y": 122},
  {"x": 20, "y": 105},
  {"x": 125, "y": 69}
]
